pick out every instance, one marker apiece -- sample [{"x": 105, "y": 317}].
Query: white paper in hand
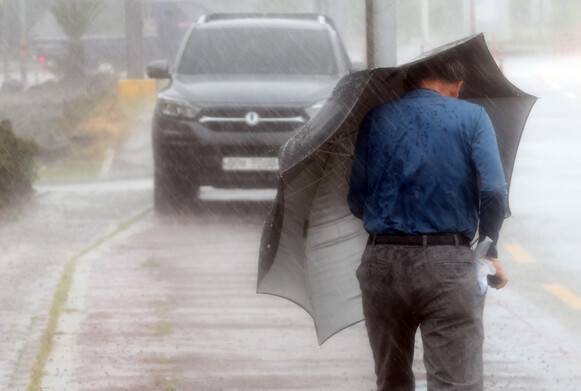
[{"x": 483, "y": 266}]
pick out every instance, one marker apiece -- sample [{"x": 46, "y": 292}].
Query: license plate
[{"x": 250, "y": 164}]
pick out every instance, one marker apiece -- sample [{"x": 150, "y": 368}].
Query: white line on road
[
  {"x": 107, "y": 163},
  {"x": 105, "y": 186}
]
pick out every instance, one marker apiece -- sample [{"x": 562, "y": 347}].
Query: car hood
[{"x": 255, "y": 89}]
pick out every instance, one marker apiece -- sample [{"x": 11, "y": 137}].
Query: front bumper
[{"x": 191, "y": 148}]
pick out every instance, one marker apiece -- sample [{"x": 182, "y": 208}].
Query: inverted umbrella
[{"x": 311, "y": 244}]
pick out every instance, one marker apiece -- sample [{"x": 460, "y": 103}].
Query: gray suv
[{"x": 241, "y": 86}]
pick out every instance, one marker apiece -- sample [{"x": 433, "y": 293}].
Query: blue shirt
[{"x": 427, "y": 164}]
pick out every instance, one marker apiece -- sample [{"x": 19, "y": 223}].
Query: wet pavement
[
  {"x": 169, "y": 302},
  {"x": 53, "y": 228},
  {"x": 60, "y": 221},
  {"x": 171, "y": 305}
]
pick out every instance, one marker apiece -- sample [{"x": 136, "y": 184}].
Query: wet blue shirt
[{"x": 428, "y": 164}]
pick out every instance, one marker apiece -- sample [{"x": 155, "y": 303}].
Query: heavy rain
[{"x": 146, "y": 167}]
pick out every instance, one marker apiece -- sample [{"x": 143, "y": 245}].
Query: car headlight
[
  {"x": 313, "y": 109},
  {"x": 177, "y": 108}
]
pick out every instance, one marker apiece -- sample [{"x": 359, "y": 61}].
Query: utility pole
[
  {"x": 3, "y": 36},
  {"x": 425, "y": 12},
  {"x": 11, "y": 29},
  {"x": 23, "y": 42},
  {"x": 380, "y": 17},
  {"x": 322, "y": 7},
  {"x": 472, "y": 17},
  {"x": 469, "y": 16},
  {"x": 369, "y": 29},
  {"x": 134, "y": 38}
]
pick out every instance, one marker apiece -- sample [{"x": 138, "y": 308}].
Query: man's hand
[{"x": 500, "y": 275}]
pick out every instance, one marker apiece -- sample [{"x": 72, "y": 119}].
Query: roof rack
[{"x": 306, "y": 16}]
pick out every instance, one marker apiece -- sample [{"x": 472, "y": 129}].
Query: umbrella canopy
[{"x": 312, "y": 244}]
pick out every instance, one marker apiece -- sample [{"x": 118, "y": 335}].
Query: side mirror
[
  {"x": 158, "y": 70},
  {"x": 358, "y": 66}
]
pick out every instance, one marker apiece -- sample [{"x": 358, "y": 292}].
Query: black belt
[{"x": 420, "y": 240}]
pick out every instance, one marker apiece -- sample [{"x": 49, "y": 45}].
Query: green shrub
[{"x": 17, "y": 164}]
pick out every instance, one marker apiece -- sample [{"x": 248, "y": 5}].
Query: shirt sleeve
[
  {"x": 358, "y": 185},
  {"x": 493, "y": 188}
]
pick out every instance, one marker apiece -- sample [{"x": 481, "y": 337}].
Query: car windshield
[{"x": 258, "y": 51}]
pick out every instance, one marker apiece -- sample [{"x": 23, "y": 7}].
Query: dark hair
[{"x": 436, "y": 68}]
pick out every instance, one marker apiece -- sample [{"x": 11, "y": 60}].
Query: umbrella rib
[
  {"x": 305, "y": 187},
  {"x": 329, "y": 152},
  {"x": 333, "y": 153}
]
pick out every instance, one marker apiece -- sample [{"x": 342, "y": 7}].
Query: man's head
[{"x": 442, "y": 75}]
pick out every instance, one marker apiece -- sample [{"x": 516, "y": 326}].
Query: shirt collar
[{"x": 422, "y": 92}]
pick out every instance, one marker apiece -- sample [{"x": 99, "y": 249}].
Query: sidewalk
[
  {"x": 171, "y": 305},
  {"x": 171, "y": 308}
]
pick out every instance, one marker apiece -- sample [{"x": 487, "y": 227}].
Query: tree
[
  {"x": 17, "y": 165},
  {"x": 35, "y": 10},
  {"x": 74, "y": 18}
]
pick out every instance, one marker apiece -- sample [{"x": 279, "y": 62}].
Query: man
[{"x": 426, "y": 175}]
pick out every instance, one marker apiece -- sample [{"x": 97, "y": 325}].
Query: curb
[{"x": 59, "y": 337}]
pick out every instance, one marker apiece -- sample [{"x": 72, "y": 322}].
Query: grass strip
[{"x": 60, "y": 299}]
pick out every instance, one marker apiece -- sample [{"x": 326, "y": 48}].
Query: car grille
[
  {"x": 252, "y": 119},
  {"x": 249, "y": 151}
]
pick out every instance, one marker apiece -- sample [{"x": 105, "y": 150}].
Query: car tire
[{"x": 173, "y": 192}]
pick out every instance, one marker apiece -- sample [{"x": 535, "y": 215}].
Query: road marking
[
  {"x": 519, "y": 253},
  {"x": 107, "y": 163},
  {"x": 103, "y": 185},
  {"x": 565, "y": 295}
]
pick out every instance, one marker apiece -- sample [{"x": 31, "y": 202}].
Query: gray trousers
[{"x": 436, "y": 289}]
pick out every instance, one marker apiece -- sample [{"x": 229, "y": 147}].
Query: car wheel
[{"x": 173, "y": 192}]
